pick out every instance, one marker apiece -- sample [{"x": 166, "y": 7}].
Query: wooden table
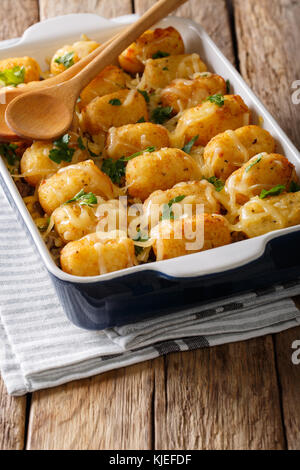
[{"x": 238, "y": 396}]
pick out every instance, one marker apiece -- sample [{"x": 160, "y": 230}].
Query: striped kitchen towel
[{"x": 40, "y": 348}]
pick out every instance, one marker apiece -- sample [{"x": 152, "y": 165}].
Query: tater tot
[
  {"x": 69, "y": 181},
  {"x": 212, "y": 231},
  {"x": 263, "y": 171},
  {"x": 92, "y": 255},
  {"x": 114, "y": 110},
  {"x": 259, "y": 216},
  {"x": 209, "y": 119},
  {"x": 159, "y": 170},
  {"x": 194, "y": 192},
  {"x": 108, "y": 81},
  {"x": 151, "y": 42},
  {"x": 68, "y": 55},
  {"x": 74, "y": 221},
  {"x": 183, "y": 93},
  {"x": 36, "y": 164},
  {"x": 32, "y": 68},
  {"x": 160, "y": 72},
  {"x": 132, "y": 138},
  {"x": 228, "y": 151}
]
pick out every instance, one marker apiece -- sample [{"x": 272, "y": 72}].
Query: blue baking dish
[{"x": 162, "y": 287}]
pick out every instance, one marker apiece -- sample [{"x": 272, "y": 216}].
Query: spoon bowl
[{"x": 42, "y": 115}]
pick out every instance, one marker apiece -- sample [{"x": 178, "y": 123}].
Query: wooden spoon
[
  {"x": 8, "y": 94},
  {"x": 47, "y": 114}
]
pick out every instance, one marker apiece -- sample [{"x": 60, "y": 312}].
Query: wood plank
[
  {"x": 13, "y": 22},
  {"x": 211, "y": 14},
  {"x": 111, "y": 411},
  {"x": 289, "y": 378},
  {"x": 12, "y": 420},
  {"x": 219, "y": 398},
  {"x": 268, "y": 37},
  {"x": 267, "y": 44},
  {"x": 106, "y": 8}
]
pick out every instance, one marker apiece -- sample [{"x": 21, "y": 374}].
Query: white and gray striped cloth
[{"x": 40, "y": 348}]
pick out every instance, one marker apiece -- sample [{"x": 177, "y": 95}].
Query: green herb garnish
[
  {"x": 142, "y": 119},
  {"x": 81, "y": 144},
  {"x": 167, "y": 212},
  {"x": 161, "y": 114},
  {"x": 115, "y": 169},
  {"x": 218, "y": 99},
  {"x": 218, "y": 184},
  {"x": 188, "y": 147},
  {"x": 115, "y": 102},
  {"x": 165, "y": 68},
  {"x": 272, "y": 192},
  {"x": 137, "y": 154},
  {"x": 253, "y": 163},
  {"x": 160, "y": 55},
  {"x": 145, "y": 95},
  {"x": 12, "y": 77},
  {"x": 67, "y": 60},
  {"x": 8, "y": 151},
  {"x": 62, "y": 151},
  {"x": 294, "y": 187},
  {"x": 227, "y": 87},
  {"x": 84, "y": 199}
]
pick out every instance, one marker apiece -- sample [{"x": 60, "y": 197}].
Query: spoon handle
[{"x": 158, "y": 11}]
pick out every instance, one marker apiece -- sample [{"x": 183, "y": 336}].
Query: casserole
[{"x": 157, "y": 288}]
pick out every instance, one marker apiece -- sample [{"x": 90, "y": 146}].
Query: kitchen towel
[{"x": 40, "y": 348}]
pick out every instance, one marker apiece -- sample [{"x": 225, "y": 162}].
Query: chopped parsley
[
  {"x": 12, "y": 77},
  {"x": 115, "y": 169},
  {"x": 294, "y": 187},
  {"x": 253, "y": 163},
  {"x": 188, "y": 147},
  {"x": 115, "y": 102},
  {"x": 81, "y": 144},
  {"x": 67, "y": 60},
  {"x": 160, "y": 55},
  {"x": 142, "y": 119},
  {"x": 272, "y": 192},
  {"x": 145, "y": 95},
  {"x": 218, "y": 184},
  {"x": 218, "y": 99},
  {"x": 61, "y": 151},
  {"x": 228, "y": 87},
  {"x": 139, "y": 238},
  {"x": 137, "y": 154},
  {"x": 167, "y": 212},
  {"x": 8, "y": 151},
  {"x": 161, "y": 114},
  {"x": 165, "y": 68},
  {"x": 84, "y": 199}
]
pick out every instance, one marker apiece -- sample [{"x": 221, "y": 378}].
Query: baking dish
[{"x": 157, "y": 288}]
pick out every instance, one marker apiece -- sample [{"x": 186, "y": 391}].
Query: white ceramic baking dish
[{"x": 43, "y": 39}]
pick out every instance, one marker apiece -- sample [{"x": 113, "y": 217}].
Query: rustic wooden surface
[{"x": 238, "y": 396}]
